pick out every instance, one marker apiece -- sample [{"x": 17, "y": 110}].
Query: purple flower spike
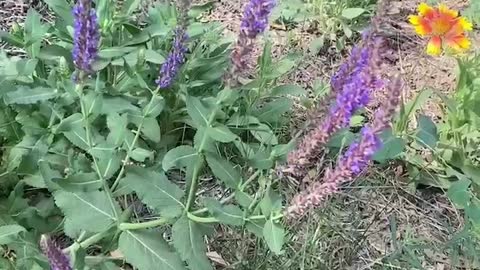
[
  {"x": 255, "y": 17},
  {"x": 86, "y": 35},
  {"x": 56, "y": 258},
  {"x": 353, "y": 161},
  {"x": 175, "y": 59}
]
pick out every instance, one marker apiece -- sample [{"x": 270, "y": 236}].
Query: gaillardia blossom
[
  {"x": 445, "y": 28},
  {"x": 86, "y": 35}
]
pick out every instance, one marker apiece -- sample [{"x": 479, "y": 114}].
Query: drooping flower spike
[
  {"x": 86, "y": 36},
  {"x": 445, "y": 28}
]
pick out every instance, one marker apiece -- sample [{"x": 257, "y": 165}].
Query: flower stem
[
  {"x": 84, "y": 244},
  {"x": 88, "y": 135},
  {"x": 144, "y": 225},
  {"x": 134, "y": 142}
]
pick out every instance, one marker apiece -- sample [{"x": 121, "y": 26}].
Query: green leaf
[
  {"x": 90, "y": 211},
  {"x": 19, "y": 151},
  {"x": 61, "y": 8},
  {"x": 154, "y": 57},
  {"x": 221, "y": 133},
  {"x": 93, "y": 104},
  {"x": 34, "y": 29},
  {"x": 427, "y": 135},
  {"x": 228, "y": 214},
  {"x": 288, "y": 89},
  {"x": 264, "y": 134},
  {"x": 113, "y": 52},
  {"x": 8, "y": 233},
  {"x": 459, "y": 193},
  {"x": 109, "y": 162},
  {"x": 256, "y": 227},
  {"x": 151, "y": 129},
  {"x": 271, "y": 202},
  {"x": 197, "y": 111},
  {"x": 179, "y": 157},
  {"x": 140, "y": 154},
  {"x": 271, "y": 112},
  {"x": 155, "y": 190},
  {"x": 155, "y": 108},
  {"x": 274, "y": 235},
  {"x": 147, "y": 250},
  {"x": 26, "y": 95},
  {"x": 473, "y": 172},
  {"x": 224, "y": 170},
  {"x": 392, "y": 147},
  {"x": 79, "y": 182},
  {"x": 188, "y": 241},
  {"x": 117, "y": 124},
  {"x": 352, "y": 13}
]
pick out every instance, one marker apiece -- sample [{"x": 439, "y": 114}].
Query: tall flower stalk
[
  {"x": 352, "y": 87},
  {"x": 254, "y": 22},
  {"x": 86, "y": 36},
  {"x": 176, "y": 57},
  {"x": 353, "y": 161},
  {"x": 56, "y": 258}
]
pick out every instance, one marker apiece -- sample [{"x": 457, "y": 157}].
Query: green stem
[
  {"x": 88, "y": 135},
  {"x": 144, "y": 225},
  {"x": 134, "y": 142},
  {"x": 227, "y": 199},
  {"x": 202, "y": 219},
  {"x": 199, "y": 165},
  {"x": 84, "y": 244}
]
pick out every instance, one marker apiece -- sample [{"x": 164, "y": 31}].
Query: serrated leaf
[
  {"x": 264, "y": 134},
  {"x": 179, "y": 157},
  {"x": 352, "y": 13},
  {"x": 427, "y": 135},
  {"x": 80, "y": 182},
  {"x": 197, "y": 111},
  {"x": 155, "y": 190},
  {"x": 459, "y": 193},
  {"x": 147, "y": 250},
  {"x": 34, "y": 29},
  {"x": 109, "y": 163},
  {"x": 16, "y": 154},
  {"x": 188, "y": 241},
  {"x": 274, "y": 235},
  {"x": 26, "y": 95},
  {"x": 228, "y": 214},
  {"x": 221, "y": 133},
  {"x": 90, "y": 211},
  {"x": 224, "y": 170},
  {"x": 69, "y": 123},
  {"x": 8, "y": 233}
]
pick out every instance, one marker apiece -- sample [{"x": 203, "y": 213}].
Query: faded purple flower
[
  {"x": 57, "y": 259},
  {"x": 254, "y": 22},
  {"x": 86, "y": 35},
  {"x": 175, "y": 59},
  {"x": 353, "y": 161},
  {"x": 353, "y": 85}
]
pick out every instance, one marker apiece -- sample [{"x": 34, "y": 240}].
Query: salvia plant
[{"x": 111, "y": 129}]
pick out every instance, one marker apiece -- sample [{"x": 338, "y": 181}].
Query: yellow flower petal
[
  {"x": 459, "y": 43},
  {"x": 421, "y": 30},
  {"x": 413, "y": 19},
  {"x": 424, "y": 8},
  {"x": 434, "y": 46},
  {"x": 445, "y": 10},
  {"x": 465, "y": 24}
]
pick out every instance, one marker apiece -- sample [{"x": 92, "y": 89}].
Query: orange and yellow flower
[{"x": 444, "y": 27}]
